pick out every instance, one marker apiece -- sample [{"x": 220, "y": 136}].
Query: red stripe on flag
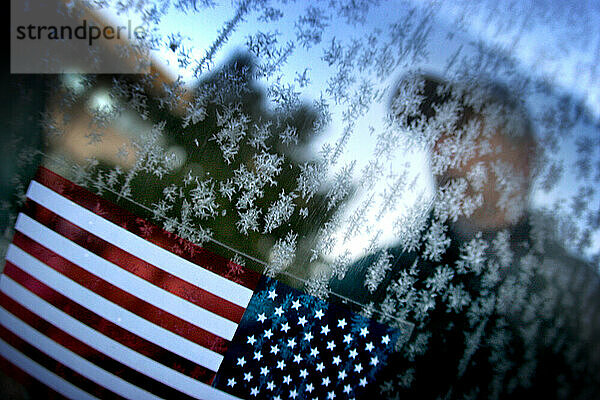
[
  {"x": 76, "y": 346},
  {"x": 54, "y": 366},
  {"x": 32, "y": 388},
  {"x": 120, "y": 297},
  {"x": 140, "y": 227},
  {"x": 135, "y": 265},
  {"x": 105, "y": 327}
]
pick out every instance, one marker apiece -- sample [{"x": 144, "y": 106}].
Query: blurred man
[{"x": 491, "y": 295}]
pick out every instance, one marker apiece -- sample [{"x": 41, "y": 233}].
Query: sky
[{"x": 557, "y": 41}]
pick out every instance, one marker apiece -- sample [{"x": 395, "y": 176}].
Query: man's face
[{"x": 496, "y": 170}]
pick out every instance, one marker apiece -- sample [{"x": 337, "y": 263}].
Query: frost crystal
[
  {"x": 410, "y": 226},
  {"x": 502, "y": 250},
  {"x": 233, "y": 129},
  {"x": 203, "y": 199},
  {"x": 436, "y": 241},
  {"x": 282, "y": 254},
  {"x": 280, "y": 211},
  {"x": 341, "y": 186},
  {"x": 378, "y": 270},
  {"x": 267, "y": 166},
  {"x": 409, "y": 97},
  {"x": 457, "y": 297},
  {"x": 452, "y": 201},
  {"x": 309, "y": 180},
  {"x": 289, "y": 136},
  {"x": 259, "y": 137},
  {"x": 248, "y": 220},
  {"x": 438, "y": 283},
  {"x": 472, "y": 256},
  {"x": 318, "y": 286}
]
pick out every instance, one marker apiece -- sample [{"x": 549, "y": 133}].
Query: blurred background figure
[{"x": 498, "y": 305}]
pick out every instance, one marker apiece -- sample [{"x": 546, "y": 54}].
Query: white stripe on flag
[
  {"x": 48, "y": 378},
  {"x": 125, "y": 280},
  {"x": 112, "y": 312},
  {"x": 72, "y": 360},
  {"x": 138, "y": 246},
  {"x": 108, "y": 346}
]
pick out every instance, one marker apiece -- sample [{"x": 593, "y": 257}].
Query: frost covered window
[{"x": 433, "y": 164}]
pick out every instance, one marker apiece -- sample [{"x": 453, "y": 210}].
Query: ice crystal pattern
[{"x": 318, "y": 150}]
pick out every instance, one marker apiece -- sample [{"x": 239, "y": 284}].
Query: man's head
[{"x": 479, "y": 136}]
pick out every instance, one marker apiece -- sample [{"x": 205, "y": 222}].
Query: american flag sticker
[
  {"x": 97, "y": 303},
  {"x": 291, "y": 345}
]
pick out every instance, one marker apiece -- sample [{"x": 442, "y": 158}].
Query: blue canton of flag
[{"x": 290, "y": 345}]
